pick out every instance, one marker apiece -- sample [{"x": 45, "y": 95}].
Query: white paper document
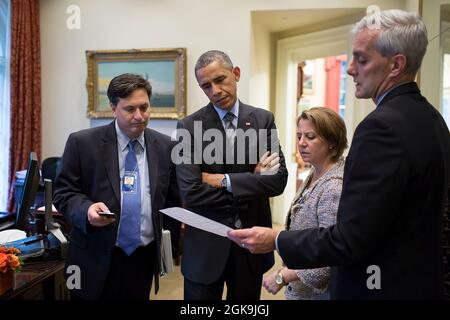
[{"x": 197, "y": 221}]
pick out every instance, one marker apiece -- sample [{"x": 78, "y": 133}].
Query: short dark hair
[
  {"x": 330, "y": 127},
  {"x": 124, "y": 85},
  {"x": 213, "y": 55}
]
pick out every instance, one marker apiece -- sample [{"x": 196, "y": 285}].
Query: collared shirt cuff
[
  {"x": 276, "y": 243},
  {"x": 228, "y": 183}
]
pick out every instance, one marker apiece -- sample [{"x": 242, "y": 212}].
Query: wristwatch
[
  {"x": 223, "y": 183},
  {"x": 279, "y": 278}
]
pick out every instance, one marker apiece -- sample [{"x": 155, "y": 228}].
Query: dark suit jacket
[
  {"x": 205, "y": 254},
  {"x": 390, "y": 213},
  {"x": 89, "y": 174}
]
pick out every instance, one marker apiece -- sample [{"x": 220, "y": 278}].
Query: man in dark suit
[
  {"x": 227, "y": 184},
  {"x": 123, "y": 168},
  {"x": 386, "y": 243}
]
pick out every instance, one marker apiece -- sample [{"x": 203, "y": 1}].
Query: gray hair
[
  {"x": 400, "y": 32},
  {"x": 213, "y": 55}
]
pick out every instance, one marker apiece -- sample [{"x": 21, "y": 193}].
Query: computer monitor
[{"x": 29, "y": 190}]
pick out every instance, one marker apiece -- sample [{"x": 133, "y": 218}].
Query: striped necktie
[{"x": 230, "y": 129}]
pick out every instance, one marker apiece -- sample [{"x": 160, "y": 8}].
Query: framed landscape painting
[{"x": 165, "y": 69}]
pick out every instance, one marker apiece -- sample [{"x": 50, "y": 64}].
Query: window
[
  {"x": 342, "y": 89},
  {"x": 446, "y": 90},
  {"x": 4, "y": 99}
]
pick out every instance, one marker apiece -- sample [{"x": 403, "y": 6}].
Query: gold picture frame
[{"x": 164, "y": 68}]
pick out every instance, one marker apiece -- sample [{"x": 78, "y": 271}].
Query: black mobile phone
[{"x": 107, "y": 214}]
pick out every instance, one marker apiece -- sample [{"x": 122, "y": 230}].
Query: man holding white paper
[{"x": 222, "y": 179}]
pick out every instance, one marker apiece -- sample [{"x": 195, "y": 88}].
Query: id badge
[{"x": 129, "y": 183}]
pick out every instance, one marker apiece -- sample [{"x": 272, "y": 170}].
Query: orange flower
[
  {"x": 14, "y": 250},
  {"x": 9, "y": 259},
  {"x": 10, "y": 250},
  {"x": 14, "y": 261},
  {"x": 3, "y": 262}
]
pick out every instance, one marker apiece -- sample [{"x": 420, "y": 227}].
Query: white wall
[
  {"x": 260, "y": 49},
  {"x": 412, "y": 5},
  {"x": 431, "y": 71}
]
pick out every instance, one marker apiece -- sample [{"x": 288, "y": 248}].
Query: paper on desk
[
  {"x": 43, "y": 209},
  {"x": 11, "y": 235},
  {"x": 197, "y": 221}
]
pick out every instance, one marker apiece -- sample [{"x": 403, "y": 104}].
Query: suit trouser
[
  {"x": 130, "y": 277},
  {"x": 242, "y": 282}
]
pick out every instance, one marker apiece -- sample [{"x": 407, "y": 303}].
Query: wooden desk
[{"x": 42, "y": 280}]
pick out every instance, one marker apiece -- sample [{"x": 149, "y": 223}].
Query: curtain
[
  {"x": 333, "y": 83},
  {"x": 25, "y": 88},
  {"x": 4, "y": 99}
]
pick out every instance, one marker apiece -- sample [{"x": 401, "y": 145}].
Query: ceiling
[{"x": 283, "y": 20}]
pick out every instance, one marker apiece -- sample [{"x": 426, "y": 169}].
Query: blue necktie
[{"x": 130, "y": 219}]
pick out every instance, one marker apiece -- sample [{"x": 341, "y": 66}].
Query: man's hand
[
  {"x": 256, "y": 239},
  {"x": 213, "y": 179},
  {"x": 97, "y": 220},
  {"x": 268, "y": 164}
]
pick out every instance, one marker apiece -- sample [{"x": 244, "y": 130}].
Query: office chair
[{"x": 50, "y": 168}]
